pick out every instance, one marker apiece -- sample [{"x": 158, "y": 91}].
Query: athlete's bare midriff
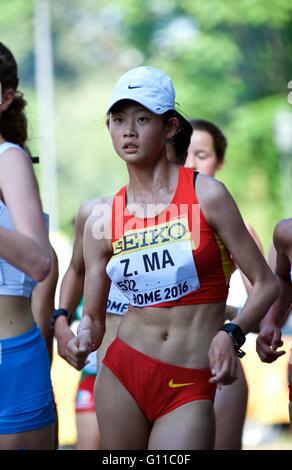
[
  {"x": 178, "y": 335},
  {"x": 15, "y": 316},
  {"x": 112, "y": 325}
]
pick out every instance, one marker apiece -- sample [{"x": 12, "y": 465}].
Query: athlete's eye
[
  {"x": 116, "y": 119},
  {"x": 142, "y": 119},
  {"x": 202, "y": 155}
]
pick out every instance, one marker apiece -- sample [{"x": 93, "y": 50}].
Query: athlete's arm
[
  {"x": 225, "y": 218},
  {"x": 28, "y": 246},
  {"x": 43, "y": 301},
  {"x": 223, "y": 215},
  {"x": 272, "y": 257},
  {"x": 97, "y": 251},
  {"x": 255, "y": 236},
  {"x": 269, "y": 338},
  {"x": 230, "y": 312},
  {"x": 73, "y": 281},
  {"x": 283, "y": 243}
]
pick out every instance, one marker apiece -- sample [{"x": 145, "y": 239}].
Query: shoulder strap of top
[
  {"x": 8, "y": 145},
  {"x": 194, "y": 185},
  {"x": 118, "y": 210}
]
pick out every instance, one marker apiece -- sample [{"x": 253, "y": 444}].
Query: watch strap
[
  {"x": 58, "y": 312},
  {"x": 237, "y": 336}
]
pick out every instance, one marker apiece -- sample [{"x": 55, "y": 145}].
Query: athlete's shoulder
[
  {"x": 283, "y": 234},
  {"x": 211, "y": 190},
  {"x": 8, "y": 149},
  {"x": 13, "y": 156},
  {"x": 91, "y": 207},
  {"x": 98, "y": 230}
]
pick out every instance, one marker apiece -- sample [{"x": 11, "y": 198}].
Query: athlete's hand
[
  {"x": 222, "y": 360},
  {"x": 78, "y": 349},
  {"x": 63, "y": 334},
  {"x": 268, "y": 341},
  {"x": 62, "y": 341}
]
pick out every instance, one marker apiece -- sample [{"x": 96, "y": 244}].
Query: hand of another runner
[
  {"x": 268, "y": 341},
  {"x": 78, "y": 349},
  {"x": 63, "y": 334},
  {"x": 62, "y": 341},
  {"x": 222, "y": 360}
]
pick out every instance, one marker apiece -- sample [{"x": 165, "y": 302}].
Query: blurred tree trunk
[{"x": 45, "y": 100}]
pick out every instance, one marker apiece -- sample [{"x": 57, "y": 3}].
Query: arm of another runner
[
  {"x": 28, "y": 246},
  {"x": 43, "y": 302},
  {"x": 97, "y": 251},
  {"x": 269, "y": 338},
  {"x": 73, "y": 281},
  {"x": 255, "y": 236}
]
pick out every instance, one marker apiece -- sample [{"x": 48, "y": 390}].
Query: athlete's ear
[
  {"x": 172, "y": 127},
  {"x": 6, "y": 99}
]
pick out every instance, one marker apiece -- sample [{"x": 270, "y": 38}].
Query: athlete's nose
[{"x": 130, "y": 129}]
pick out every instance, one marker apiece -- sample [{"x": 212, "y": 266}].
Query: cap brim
[{"x": 136, "y": 100}]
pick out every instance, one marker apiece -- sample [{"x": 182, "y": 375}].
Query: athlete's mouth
[{"x": 130, "y": 146}]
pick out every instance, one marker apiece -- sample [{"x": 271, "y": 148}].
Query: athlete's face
[
  {"x": 201, "y": 154},
  {"x": 138, "y": 135}
]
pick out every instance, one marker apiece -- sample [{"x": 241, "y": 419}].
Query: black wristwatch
[
  {"x": 58, "y": 312},
  {"x": 237, "y": 336}
]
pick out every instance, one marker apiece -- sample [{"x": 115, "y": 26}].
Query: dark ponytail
[
  {"x": 13, "y": 122},
  {"x": 181, "y": 140}
]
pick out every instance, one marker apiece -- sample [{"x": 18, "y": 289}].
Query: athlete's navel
[{"x": 164, "y": 336}]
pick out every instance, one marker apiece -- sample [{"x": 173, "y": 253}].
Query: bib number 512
[{"x": 127, "y": 285}]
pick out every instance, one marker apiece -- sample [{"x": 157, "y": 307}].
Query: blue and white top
[{"x": 12, "y": 280}]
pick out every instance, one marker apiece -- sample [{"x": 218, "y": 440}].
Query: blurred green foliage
[{"x": 230, "y": 61}]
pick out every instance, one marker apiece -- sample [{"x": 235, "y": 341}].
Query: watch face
[{"x": 236, "y": 334}]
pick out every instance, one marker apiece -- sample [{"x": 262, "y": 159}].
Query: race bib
[
  {"x": 117, "y": 303},
  {"x": 154, "y": 264}
]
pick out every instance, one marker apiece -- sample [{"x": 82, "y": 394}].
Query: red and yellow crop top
[{"x": 174, "y": 258}]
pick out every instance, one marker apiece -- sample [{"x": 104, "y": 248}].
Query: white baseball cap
[{"x": 146, "y": 85}]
